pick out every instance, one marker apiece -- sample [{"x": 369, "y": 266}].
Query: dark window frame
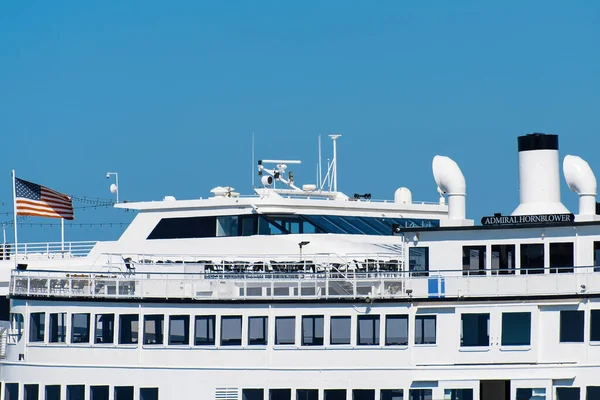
[
  {"x": 337, "y": 341},
  {"x": 504, "y": 339},
  {"x": 37, "y": 327},
  {"x": 107, "y": 332},
  {"x": 529, "y": 264},
  {"x": 208, "y": 338},
  {"x": 231, "y": 341},
  {"x": 282, "y": 341},
  {"x": 481, "y": 259},
  {"x": 375, "y": 334},
  {"x": 84, "y": 335},
  {"x": 478, "y": 339},
  {"x": 560, "y": 261},
  {"x": 568, "y": 319},
  {"x": 185, "y": 340},
  {"x": 316, "y": 338},
  {"x": 420, "y": 320},
  {"x": 389, "y": 337},
  {"x": 158, "y": 320},
  {"x": 131, "y": 336},
  {"x": 258, "y": 341}
]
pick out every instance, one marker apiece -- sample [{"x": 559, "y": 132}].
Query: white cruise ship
[{"x": 304, "y": 294}]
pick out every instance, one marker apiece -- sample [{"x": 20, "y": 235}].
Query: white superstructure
[{"x": 304, "y": 293}]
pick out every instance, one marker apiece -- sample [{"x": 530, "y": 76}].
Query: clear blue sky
[{"x": 168, "y": 94}]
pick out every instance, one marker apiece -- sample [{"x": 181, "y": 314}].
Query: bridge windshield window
[
  {"x": 227, "y": 226},
  {"x": 231, "y": 331},
  {"x": 532, "y": 258},
  {"x": 503, "y": 259},
  {"x": 561, "y": 257},
  {"x": 396, "y": 330},
  {"x": 184, "y": 228},
  {"x": 257, "y": 331},
  {"x": 340, "y": 330},
  {"x": 179, "y": 329}
]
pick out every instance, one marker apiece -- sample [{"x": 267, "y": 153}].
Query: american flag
[{"x": 39, "y": 201}]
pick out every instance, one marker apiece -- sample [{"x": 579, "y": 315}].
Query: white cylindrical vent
[
  {"x": 581, "y": 180},
  {"x": 539, "y": 175},
  {"x": 450, "y": 180}
]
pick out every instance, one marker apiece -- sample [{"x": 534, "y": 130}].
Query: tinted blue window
[{"x": 325, "y": 224}]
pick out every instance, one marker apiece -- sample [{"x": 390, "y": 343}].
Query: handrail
[
  {"x": 277, "y": 285},
  {"x": 41, "y": 250}
]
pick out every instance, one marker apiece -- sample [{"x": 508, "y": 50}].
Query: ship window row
[
  {"x": 277, "y": 224},
  {"x": 532, "y": 259},
  {"x": 203, "y": 330},
  {"x": 31, "y": 391},
  {"x": 357, "y": 394}
]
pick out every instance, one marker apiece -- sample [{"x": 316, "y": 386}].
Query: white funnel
[
  {"x": 451, "y": 181},
  {"x": 539, "y": 175},
  {"x": 581, "y": 180}
]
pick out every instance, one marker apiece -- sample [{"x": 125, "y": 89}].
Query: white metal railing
[
  {"x": 45, "y": 250},
  {"x": 298, "y": 285}
]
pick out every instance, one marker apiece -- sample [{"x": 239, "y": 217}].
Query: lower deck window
[
  {"x": 531, "y": 394},
  {"x": 123, "y": 392},
  {"x": 148, "y": 393},
  {"x": 31, "y": 392},
  {"x": 37, "y": 326},
  {"x": 334, "y": 394},
  {"x": 420, "y": 394},
  {"x": 363, "y": 394},
  {"x": 128, "y": 328},
  {"x": 567, "y": 393},
  {"x": 475, "y": 330},
  {"x": 52, "y": 392},
  {"x": 99, "y": 392},
  {"x": 458, "y": 394},
  {"x": 391, "y": 394},
  {"x": 595, "y": 326},
  {"x": 280, "y": 394},
  {"x": 253, "y": 394},
  {"x": 105, "y": 328},
  {"x": 80, "y": 328},
  {"x": 307, "y": 394},
  {"x": 75, "y": 392},
  {"x": 11, "y": 391},
  {"x": 592, "y": 392}
]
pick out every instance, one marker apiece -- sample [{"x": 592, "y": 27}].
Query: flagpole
[
  {"x": 15, "y": 216},
  {"x": 62, "y": 236}
]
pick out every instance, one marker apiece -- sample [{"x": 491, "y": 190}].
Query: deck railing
[
  {"x": 300, "y": 285},
  {"x": 46, "y": 250}
]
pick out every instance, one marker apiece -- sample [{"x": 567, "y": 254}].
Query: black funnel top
[{"x": 538, "y": 141}]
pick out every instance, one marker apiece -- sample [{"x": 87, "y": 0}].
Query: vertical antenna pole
[
  {"x": 319, "y": 174},
  {"x": 334, "y": 161},
  {"x": 252, "y": 160}
]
